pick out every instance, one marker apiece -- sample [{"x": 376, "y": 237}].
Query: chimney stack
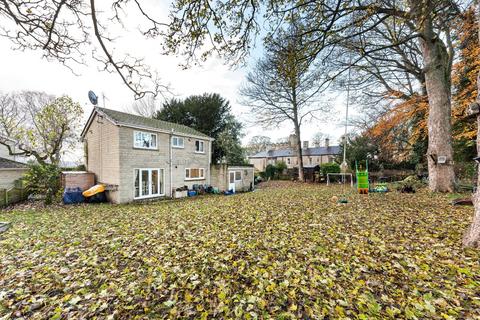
[
  {"x": 292, "y": 140},
  {"x": 305, "y": 144},
  {"x": 327, "y": 142},
  {"x": 316, "y": 144}
]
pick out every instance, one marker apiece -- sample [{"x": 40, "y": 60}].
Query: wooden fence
[{"x": 13, "y": 195}]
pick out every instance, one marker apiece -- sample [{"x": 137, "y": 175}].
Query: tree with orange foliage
[
  {"x": 465, "y": 72},
  {"x": 401, "y": 128},
  {"x": 472, "y": 235}
]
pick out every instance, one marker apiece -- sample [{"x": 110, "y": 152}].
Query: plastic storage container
[{"x": 72, "y": 196}]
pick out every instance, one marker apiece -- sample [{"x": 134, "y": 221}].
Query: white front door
[{"x": 231, "y": 180}]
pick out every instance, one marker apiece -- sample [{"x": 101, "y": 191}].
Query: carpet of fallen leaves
[{"x": 280, "y": 253}]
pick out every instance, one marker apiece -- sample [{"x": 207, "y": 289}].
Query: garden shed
[
  {"x": 237, "y": 178},
  {"x": 311, "y": 173}
]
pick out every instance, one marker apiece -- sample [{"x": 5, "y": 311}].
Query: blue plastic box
[{"x": 73, "y": 195}]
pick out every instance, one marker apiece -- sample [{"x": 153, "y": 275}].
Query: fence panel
[
  {"x": 3, "y": 192},
  {"x": 11, "y": 196}
]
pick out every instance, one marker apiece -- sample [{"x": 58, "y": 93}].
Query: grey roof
[
  {"x": 320, "y": 151},
  {"x": 10, "y": 164},
  {"x": 139, "y": 121},
  {"x": 316, "y": 151}
]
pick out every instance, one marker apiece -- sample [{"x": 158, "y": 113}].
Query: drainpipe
[
  {"x": 209, "y": 162},
  {"x": 171, "y": 159}
]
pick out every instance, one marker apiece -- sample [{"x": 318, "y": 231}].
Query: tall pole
[{"x": 345, "y": 136}]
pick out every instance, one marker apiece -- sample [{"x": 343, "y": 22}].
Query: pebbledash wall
[{"x": 111, "y": 155}]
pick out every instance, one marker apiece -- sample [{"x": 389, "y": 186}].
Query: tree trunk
[
  {"x": 299, "y": 153},
  {"x": 437, "y": 80},
  {"x": 472, "y": 236}
]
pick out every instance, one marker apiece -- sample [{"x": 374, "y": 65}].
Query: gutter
[{"x": 13, "y": 169}]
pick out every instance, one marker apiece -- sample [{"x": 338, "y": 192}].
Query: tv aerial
[{"x": 93, "y": 97}]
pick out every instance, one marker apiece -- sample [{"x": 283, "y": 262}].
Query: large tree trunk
[
  {"x": 438, "y": 80},
  {"x": 472, "y": 236}
]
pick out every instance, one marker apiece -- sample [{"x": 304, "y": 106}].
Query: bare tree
[
  {"x": 283, "y": 86},
  {"x": 329, "y": 23},
  {"x": 387, "y": 85},
  {"x": 319, "y": 138},
  {"x": 146, "y": 106},
  {"x": 43, "y": 126},
  {"x": 68, "y": 31},
  {"x": 258, "y": 144}
]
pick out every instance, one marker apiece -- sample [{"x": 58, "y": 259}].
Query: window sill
[
  {"x": 193, "y": 179},
  {"x": 175, "y": 147},
  {"x": 200, "y": 152},
  {"x": 149, "y": 197},
  {"x": 150, "y": 149}
]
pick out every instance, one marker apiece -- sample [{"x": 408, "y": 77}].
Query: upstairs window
[
  {"x": 177, "y": 142},
  {"x": 144, "y": 140},
  {"x": 199, "y": 146}
]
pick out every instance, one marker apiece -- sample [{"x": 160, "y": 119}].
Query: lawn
[{"x": 284, "y": 252}]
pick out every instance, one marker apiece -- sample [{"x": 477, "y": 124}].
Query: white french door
[{"x": 149, "y": 183}]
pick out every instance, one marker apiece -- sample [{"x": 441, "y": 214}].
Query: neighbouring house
[
  {"x": 139, "y": 158},
  {"x": 286, "y": 152},
  {"x": 12, "y": 168},
  {"x": 236, "y": 178}
]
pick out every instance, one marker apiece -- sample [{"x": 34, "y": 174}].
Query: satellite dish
[{"x": 93, "y": 97}]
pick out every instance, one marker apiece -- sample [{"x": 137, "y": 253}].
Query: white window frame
[
  {"x": 160, "y": 178},
  {"x": 240, "y": 175},
  {"x": 145, "y": 132},
  {"x": 177, "y": 138},
  {"x": 200, "y": 142},
  {"x": 288, "y": 160},
  {"x": 200, "y": 170}
]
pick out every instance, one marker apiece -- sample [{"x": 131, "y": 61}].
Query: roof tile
[
  {"x": 317, "y": 151},
  {"x": 10, "y": 164},
  {"x": 134, "y": 120}
]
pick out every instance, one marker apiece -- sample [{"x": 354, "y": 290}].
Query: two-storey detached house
[{"x": 140, "y": 158}]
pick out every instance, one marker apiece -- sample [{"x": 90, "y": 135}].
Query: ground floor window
[
  {"x": 149, "y": 183},
  {"x": 194, "y": 173},
  {"x": 238, "y": 175}
]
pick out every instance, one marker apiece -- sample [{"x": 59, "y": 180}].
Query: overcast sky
[{"x": 29, "y": 71}]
